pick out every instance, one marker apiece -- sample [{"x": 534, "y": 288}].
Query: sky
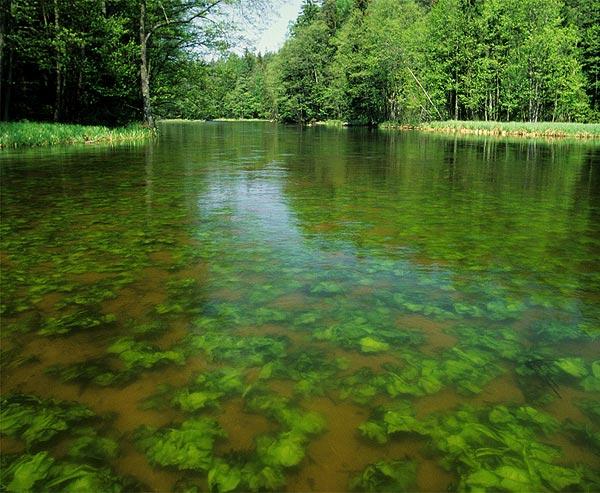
[{"x": 271, "y": 36}]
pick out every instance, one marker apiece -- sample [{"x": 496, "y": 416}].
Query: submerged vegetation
[
  {"x": 40, "y": 423},
  {"x": 222, "y": 348},
  {"x": 29, "y": 134}
]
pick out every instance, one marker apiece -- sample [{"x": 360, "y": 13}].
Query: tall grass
[
  {"x": 21, "y": 134},
  {"x": 330, "y": 123},
  {"x": 524, "y": 129}
]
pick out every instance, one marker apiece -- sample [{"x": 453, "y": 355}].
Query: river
[{"x": 264, "y": 307}]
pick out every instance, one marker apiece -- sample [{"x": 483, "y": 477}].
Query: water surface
[{"x": 261, "y": 307}]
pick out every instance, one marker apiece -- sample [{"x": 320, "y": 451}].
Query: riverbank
[
  {"x": 242, "y": 120},
  {"x": 30, "y": 134},
  {"x": 514, "y": 129}
]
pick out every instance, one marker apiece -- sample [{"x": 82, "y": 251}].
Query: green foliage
[
  {"x": 246, "y": 475},
  {"x": 361, "y": 386},
  {"x": 591, "y": 383},
  {"x": 396, "y": 261},
  {"x": 469, "y": 369},
  {"x": 207, "y": 389},
  {"x": 420, "y": 376},
  {"x": 97, "y": 371},
  {"x": 505, "y": 343},
  {"x": 185, "y": 296},
  {"x": 359, "y": 333},
  {"x": 510, "y": 456},
  {"x": 35, "y": 420},
  {"x": 560, "y": 332},
  {"x": 187, "y": 447},
  {"x": 137, "y": 355},
  {"x": 29, "y": 134},
  {"x": 396, "y": 475},
  {"x": 89, "y": 446},
  {"x": 283, "y": 450},
  {"x": 591, "y": 408},
  {"x": 301, "y": 73},
  {"x": 387, "y": 421},
  {"x": 247, "y": 350},
  {"x": 489, "y": 448},
  {"x": 40, "y": 472},
  {"x": 287, "y": 448},
  {"x": 280, "y": 409},
  {"x": 581, "y": 433},
  {"x": 86, "y": 318},
  {"x": 377, "y": 61},
  {"x": 313, "y": 371},
  {"x": 523, "y": 129}
]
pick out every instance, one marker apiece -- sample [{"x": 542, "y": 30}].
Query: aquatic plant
[
  {"x": 469, "y": 370},
  {"x": 357, "y": 333},
  {"x": 85, "y": 318},
  {"x": 247, "y": 350},
  {"x": 494, "y": 448},
  {"x": 312, "y": 370},
  {"x": 556, "y": 331},
  {"x": 41, "y": 472},
  {"x": 393, "y": 476},
  {"x": 286, "y": 449},
  {"x": 361, "y": 386},
  {"x": 125, "y": 259},
  {"x": 186, "y": 447},
  {"x": 207, "y": 389},
  {"x": 99, "y": 371},
  {"x": 185, "y": 296},
  {"x": 284, "y": 412},
  {"x": 246, "y": 475},
  {"x": 504, "y": 343},
  {"x": 389, "y": 420},
  {"x": 523, "y": 129},
  {"x": 138, "y": 355},
  {"x": 88, "y": 445},
  {"x": 18, "y": 134},
  {"x": 36, "y": 420}
]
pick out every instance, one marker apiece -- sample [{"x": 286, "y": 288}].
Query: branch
[{"x": 168, "y": 22}]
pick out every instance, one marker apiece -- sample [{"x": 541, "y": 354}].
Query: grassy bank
[
  {"x": 28, "y": 134},
  {"x": 241, "y": 120},
  {"x": 329, "y": 123},
  {"x": 520, "y": 129}
]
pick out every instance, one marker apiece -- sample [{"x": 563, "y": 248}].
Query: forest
[{"x": 358, "y": 61}]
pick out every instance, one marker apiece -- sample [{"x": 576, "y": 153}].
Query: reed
[
  {"x": 30, "y": 134},
  {"x": 523, "y": 129}
]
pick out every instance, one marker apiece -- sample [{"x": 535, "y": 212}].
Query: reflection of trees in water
[{"x": 477, "y": 204}]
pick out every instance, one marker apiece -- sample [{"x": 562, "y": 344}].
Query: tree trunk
[
  {"x": 144, "y": 71},
  {"x": 456, "y": 104},
  {"x": 59, "y": 75},
  {"x": 9, "y": 84},
  {"x": 2, "y": 29},
  {"x": 498, "y": 109}
]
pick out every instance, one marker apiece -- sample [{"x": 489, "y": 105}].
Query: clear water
[{"x": 260, "y": 307}]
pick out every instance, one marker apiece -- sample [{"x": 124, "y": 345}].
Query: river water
[{"x": 250, "y": 306}]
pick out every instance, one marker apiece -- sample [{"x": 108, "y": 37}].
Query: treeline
[
  {"x": 369, "y": 61},
  {"x": 361, "y": 61},
  {"x": 105, "y": 61}
]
